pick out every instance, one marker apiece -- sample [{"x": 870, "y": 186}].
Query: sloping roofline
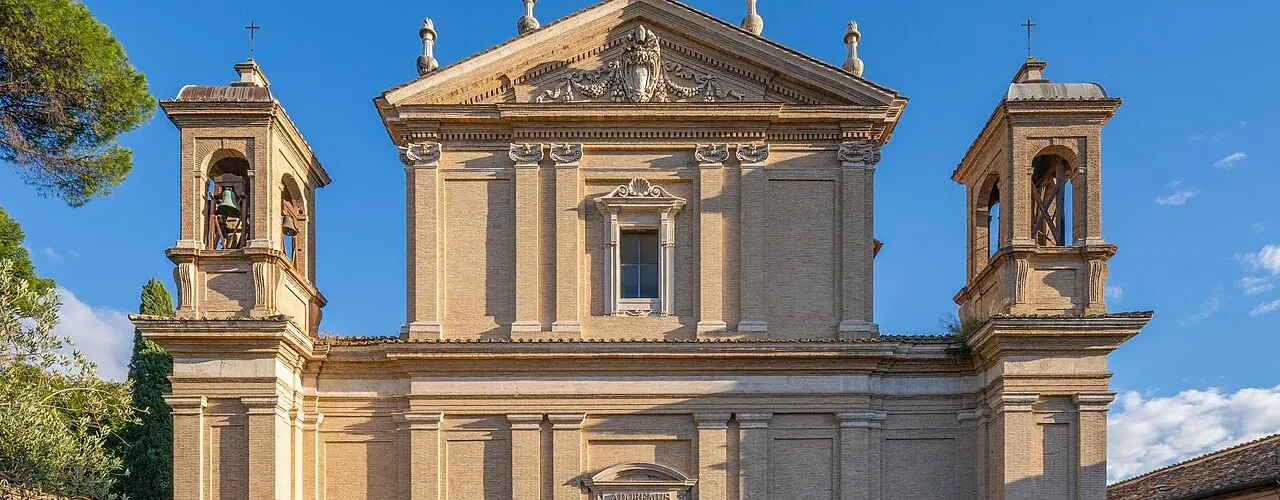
[{"x": 405, "y": 90}]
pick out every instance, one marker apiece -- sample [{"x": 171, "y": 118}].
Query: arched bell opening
[
  {"x": 1051, "y": 199},
  {"x": 293, "y": 223},
  {"x": 227, "y": 204},
  {"x": 988, "y": 227}
]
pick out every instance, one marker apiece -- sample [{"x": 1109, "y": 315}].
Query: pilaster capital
[
  {"x": 187, "y": 405},
  {"x": 1014, "y": 402},
  {"x": 711, "y": 155},
  {"x": 752, "y": 155},
  {"x": 525, "y": 421},
  {"x": 566, "y": 421},
  {"x": 868, "y": 419},
  {"x": 753, "y": 420},
  {"x": 972, "y": 417},
  {"x": 422, "y": 421},
  {"x": 712, "y": 420},
  {"x": 566, "y": 155},
  {"x": 859, "y": 154},
  {"x": 420, "y": 155},
  {"x": 1094, "y": 402},
  {"x": 525, "y": 155},
  {"x": 265, "y": 405}
]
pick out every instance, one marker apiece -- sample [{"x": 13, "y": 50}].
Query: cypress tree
[{"x": 148, "y": 443}]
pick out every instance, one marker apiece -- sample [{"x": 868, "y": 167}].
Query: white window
[{"x": 641, "y": 220}]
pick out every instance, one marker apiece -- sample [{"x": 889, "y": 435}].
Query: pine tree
[{"x": 148, "y": 442}]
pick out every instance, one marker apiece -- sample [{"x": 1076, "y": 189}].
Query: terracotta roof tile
[{"x": 1253, "y": 464}]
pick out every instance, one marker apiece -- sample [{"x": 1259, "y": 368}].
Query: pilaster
[
  {"x": 566, "y": 455},
  {"x": 426, "y": 251},
  {"x": 526, "y": 158},
  {"x": 526, "y": 456},
  {"x": 856, "y": 445},
  {"x": 270, "y": 436},
  {"x": 753, "y": 449},
  {"x": 188, "y": 446},
  {"x": 297, "y": 459},
  {"x": 972, "y": 463},
  {"x": 711, "y": 205},
  {"x": 1014, "y": 427},
  {"x": 858, "y": 161},
  {"x": 424, "y": 454},
  {"x": 1092, "y": 431},
  {"x": 568, "y": 201},
  {"x": 754, "y": 258},
  {"x": 313, "y": 461},
  {"x": 713, "y": 455}
]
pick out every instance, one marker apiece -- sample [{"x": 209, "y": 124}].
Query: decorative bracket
[
  {"x": 420, "y": 154},
  {"x": 711, "y": 154},
  {"x": 859, "y": 154},
  {"x": 752, "y": 153},
  {"x": 525, "y": 154}
]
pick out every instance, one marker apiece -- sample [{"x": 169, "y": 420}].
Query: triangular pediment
[{"x": 639, "y": 51}]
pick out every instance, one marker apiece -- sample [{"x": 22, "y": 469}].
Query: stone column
[
  {"x": 753, "y": 253},
  {"x": 753, "y": 455},
  {"x": 1092, "y": 421},
  {"x": 424, "y": 454},
  {"x": 855, "y": 453},
  {"x": 568, "y": 237},
  {"x": 426, "y": 252},
  {"x": 526, "y": 158},
  {"x": 188, "y": 446},
  {"x": 566, "y": 455},
  {"x": 711, "y": 205},
  {"x": 270, "y": 436},
  {"x": 526, "y": 455},
  {"x": 313, "y": 464},
  {"x": 713, "y": 455},
  {"x": 1018, "y": 464},
  {"x": 858, "y": 161}
]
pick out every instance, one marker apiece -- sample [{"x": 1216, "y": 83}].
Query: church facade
[{"x": 640, "y": 267}]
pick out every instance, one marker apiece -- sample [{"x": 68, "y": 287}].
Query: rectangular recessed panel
[{"x": 802, "y": 469}]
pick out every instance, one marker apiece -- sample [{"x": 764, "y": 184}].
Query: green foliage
[
  {"x": 147, "y": 443},
  {"x": 21, "y": 269},
  {"x": 66, "y": 91},
  {"x": 56, "y": 416}
]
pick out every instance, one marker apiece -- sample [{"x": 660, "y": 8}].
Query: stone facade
[{"x": 753, "y": 370}]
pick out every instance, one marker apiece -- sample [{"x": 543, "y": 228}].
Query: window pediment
[
  {"x": 639, "y": 481},
  {"x": 639, "y": 195}
]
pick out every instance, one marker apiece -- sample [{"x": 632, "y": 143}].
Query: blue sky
[{"x": 1189, "y": 161}]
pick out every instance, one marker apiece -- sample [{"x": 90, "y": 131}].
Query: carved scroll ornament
[
  {"x": 639, "y": 75},
  {"x": 525, "y": 153},
  {"x": 752, "y": 153},
  {"x": 420, "y": 153},
  {"x": 711, "y": 153},
  {"x": 861, "y": 152},
  {"x": 566, "y": 153}
]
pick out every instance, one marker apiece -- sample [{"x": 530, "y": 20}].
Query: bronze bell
[
  {"x": 288, "y": 226},
  {"x": 227, "y": 205}
]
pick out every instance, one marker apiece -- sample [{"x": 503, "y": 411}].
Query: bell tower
[
  {"x": 1033, "y": 202},
  {"x": 247, "y": 239}
]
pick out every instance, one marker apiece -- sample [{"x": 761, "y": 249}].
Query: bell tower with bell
[
  {"x": 247, "y": 239},
  {"x": 1033, "y": 181}
]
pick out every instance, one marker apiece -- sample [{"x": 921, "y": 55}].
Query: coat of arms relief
[{"x": 639, "y": 75}]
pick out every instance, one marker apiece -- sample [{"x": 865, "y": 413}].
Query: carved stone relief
[
  {"x": 566, "y": 153},
  {"x": 420, "y": 153},
  {"x": 752, "y": 153},
  {"x": 525, "y": 153},
  {"x": 865, "y": 153},
  {"x": 711, "y": 153},
  {"x": 640, "y": 75}
]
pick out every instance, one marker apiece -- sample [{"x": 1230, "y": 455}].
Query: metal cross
[
  {"x": 1029, "y": 25},
  {"x": 252, "y": 28}
]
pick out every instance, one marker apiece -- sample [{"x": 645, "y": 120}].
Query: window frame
[{"x": 638, "y": 206}]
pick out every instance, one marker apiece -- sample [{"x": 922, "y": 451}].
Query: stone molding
[
  {"x": 1014, "y": 402},
  {"x": 868, "y": 419},
  {"x": 566, "y": 421},
  {"x": 753, "y": 420},
  {"x": 422, "y": 420},
  {"x": 524, "y": 421},
  {"x": 712, "y": 420},
  {"x": 1093, "y": 402},
  {"x": 187, "y": 405}
]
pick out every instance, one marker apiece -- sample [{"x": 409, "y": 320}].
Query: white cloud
[
  {"x": 1115, "y": 293},
  {"x": 1267, "y": 259},
  {"x": 52, "y": 254},
  {"x": 1258, "y": 227},
  {"x": 1178, "y": 198},
  {"x": 103, "y": 335},
  {"x": 1230, "y": 160},
  {"x": 1146, "y": 433},
  {"x": 1207, "y": 309},
  {"x": 1254, "y": 285},
  {"x": 1265, "y": 307},
  {"x": 1173, "y": 184}
]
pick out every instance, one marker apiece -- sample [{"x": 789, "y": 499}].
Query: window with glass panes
[{"x": 639, "y": 264}]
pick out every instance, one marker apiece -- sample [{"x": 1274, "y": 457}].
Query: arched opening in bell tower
[
  {"x": 227, "y": 202},
  {"x": 1051, "y": 203}
]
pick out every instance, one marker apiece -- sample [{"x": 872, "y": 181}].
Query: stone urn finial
[
  {"x": 851, "y": 37},
  {"x": 427, "y": 61},
  {"x": 753, "y": 22},
  {"x": 527, "y": 22}
]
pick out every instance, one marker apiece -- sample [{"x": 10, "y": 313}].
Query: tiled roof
[
  {"x": 1253, "y": 464},
  {"x": 1045, "y": 91},
  {"x": 235, "y": 93}
]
